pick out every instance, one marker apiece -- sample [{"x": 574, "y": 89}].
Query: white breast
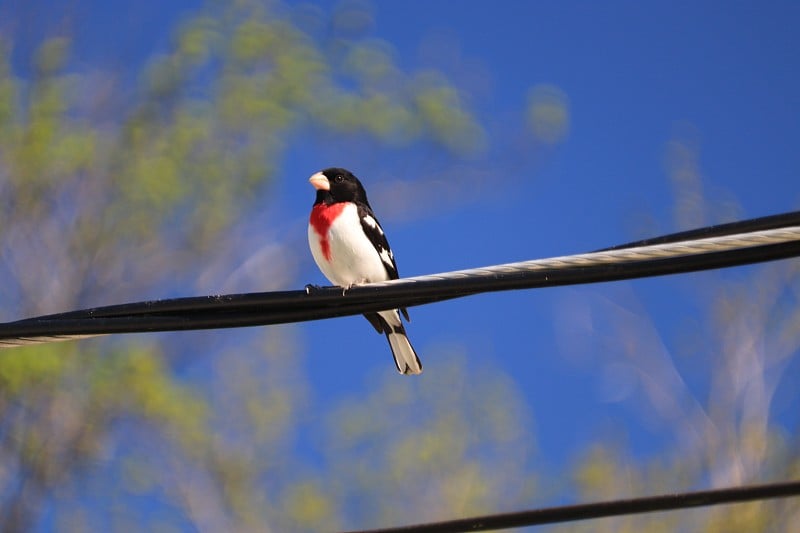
[{"x": 353, "y": 259}]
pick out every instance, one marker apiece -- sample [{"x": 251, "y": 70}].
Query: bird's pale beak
[{"x": 320, "y": 182}]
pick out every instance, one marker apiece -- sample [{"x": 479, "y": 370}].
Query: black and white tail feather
[{"x": 388, "y": 323}]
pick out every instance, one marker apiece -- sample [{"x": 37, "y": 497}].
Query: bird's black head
[{"x": 335, "y": 185}]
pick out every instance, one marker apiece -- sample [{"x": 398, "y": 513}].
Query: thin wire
[
  {"x": 724, "y": 246},
  {"x": 254, "y": 309},
  {"x": 625, "y": 255},
  {"x": 781, "y": 220},
  {"x": 587, "y": 511}
]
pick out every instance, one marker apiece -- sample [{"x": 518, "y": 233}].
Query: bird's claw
[{"x": 311, "y": 289}]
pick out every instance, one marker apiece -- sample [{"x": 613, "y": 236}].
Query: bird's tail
[
  {"x": 404, "y": 355},
  {"x": 389, "y": 322}
]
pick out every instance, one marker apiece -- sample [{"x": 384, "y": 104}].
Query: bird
[{"x": 350, "y": 248}]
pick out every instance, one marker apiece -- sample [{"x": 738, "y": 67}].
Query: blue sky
[{"x": 637, "y": 75}]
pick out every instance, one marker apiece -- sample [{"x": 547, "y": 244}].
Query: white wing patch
[
  {"x": 387, "y": 257},
  {"x": 372, "y": 223}
]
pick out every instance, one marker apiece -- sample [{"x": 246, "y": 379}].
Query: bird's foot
[{"x": 311, "y": 289}]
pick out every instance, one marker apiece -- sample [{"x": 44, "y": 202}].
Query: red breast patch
[{"x": 322, "y": 216}]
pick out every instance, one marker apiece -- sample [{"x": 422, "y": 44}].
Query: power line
[
  {"x": 749, "y": 225},
  {"x": 587, "y": 511},
  {"x": 739, "y": 243},
  {"x": 670, "y": 256}
]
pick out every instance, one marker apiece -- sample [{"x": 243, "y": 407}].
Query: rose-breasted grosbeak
[{"x": 350, "y": 248}]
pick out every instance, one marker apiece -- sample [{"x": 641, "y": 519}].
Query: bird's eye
[{"x": 338, "y": 179}]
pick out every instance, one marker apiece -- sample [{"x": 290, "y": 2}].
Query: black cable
[
  {"x": 586, "y": 511},
  {"x": 279, "y": 298},
  {"x": 293, "y": 306},
  {"x": 254, "y": 309},
  {"x": 782, "y": 220}
]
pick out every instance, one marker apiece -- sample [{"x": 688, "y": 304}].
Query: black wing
[{"x": 374, "y": 232}]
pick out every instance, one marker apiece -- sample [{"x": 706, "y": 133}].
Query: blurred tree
[
  {"x": 743, "y": 347},
  {"x": 108, "y": 194},
  {"x": 465, "y": 454}
]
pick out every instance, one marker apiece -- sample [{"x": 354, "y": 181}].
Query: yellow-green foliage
[{"x": 111, "y": 189}]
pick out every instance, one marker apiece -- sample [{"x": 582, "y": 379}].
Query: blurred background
[{"x": 155, "y": 150}]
